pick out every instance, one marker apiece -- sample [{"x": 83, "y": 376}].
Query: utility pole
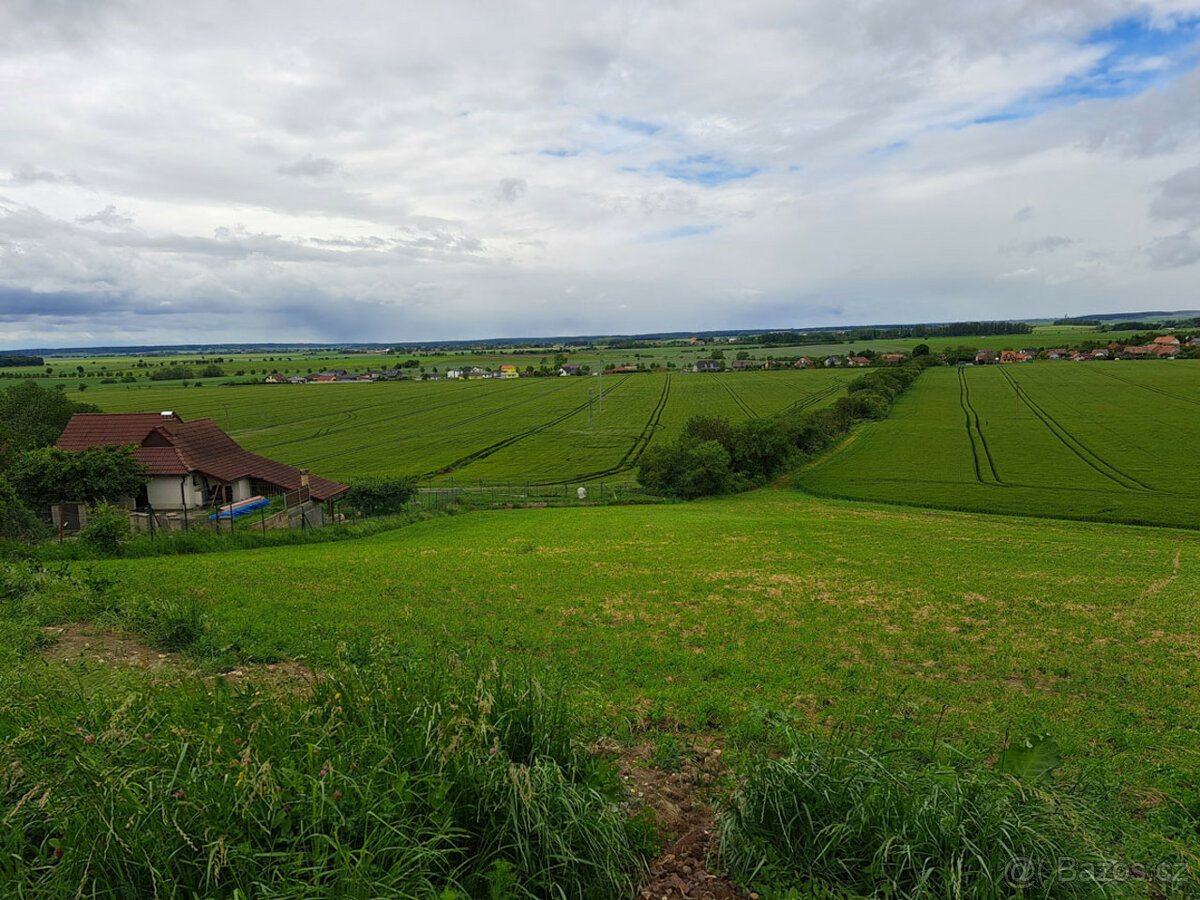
[
  {"x": 589, "y": 408},
  {"x": 601, "y": 385}
]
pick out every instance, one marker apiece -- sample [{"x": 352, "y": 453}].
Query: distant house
[
  {"x": 454, "y": 373},
  {"x": 1099, "y": 354},
  {"x": 858, "y": 361},
  {"x": 1013, "y": 356},
  {"x": 569, "y": 370},
  {"x": 473, "y": 372},
  {"x": 296, "y": 379},
  {"x": 832, "y": 361},
  {"x": 509, "y": 371},
  {"x": 985, "y": 357},
  {"x": 194, "y": 464},
  {"x": 275, "y": 378},
  {"x": 1056, "y": 353},
  {"x": 1167, "y": 340},
  {"x": 891, "y": 359},
  {"x": 805, "y": 362},
  {"x": 741, "y": 365},
  {"x": 707, "y": 365}
]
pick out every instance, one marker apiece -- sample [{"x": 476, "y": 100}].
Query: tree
[
  {"x": 920, "y": 350},
  {"x": 32, "y": 416},
  {"x": 48, "y": 475}
]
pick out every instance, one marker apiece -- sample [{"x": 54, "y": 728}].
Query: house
[
  {"x": 508, "y": 371},
  {"x": 891, "y": 359},
  {"x": 741, "y": 365},
  {"x": 1012, "y": 356},
  {"x": 296, "y": 379},
  {"x": 1167, "y": 340},
  {"x": 1056, "y": 353},
  {"x": 275, "y": 378},
  {"x": 858, "y": 361},
  {"x": 325, "y": 377},
  {"x": 707, "y": 365},
  {"x": 804, "y": 362},
  {"x": 473, "y": 372},
  {"x": 569, "y": 370},
  {"x": 1099, "y": 354},
  {"x": 454, "y": 373},
  {"x": 832, "y": 361},
  {"x": 985, "y": 357},
  {"x": 193, "y": 465}
]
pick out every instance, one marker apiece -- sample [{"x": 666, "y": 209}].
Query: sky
[{"x": 406, "y": 172}]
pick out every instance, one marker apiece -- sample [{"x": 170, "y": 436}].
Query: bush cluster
[
  {"x": 380, "y": 495},
  {"x": 712, "y": 456}
]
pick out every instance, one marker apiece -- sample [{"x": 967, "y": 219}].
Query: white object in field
[{"x": 582, "y": 493}]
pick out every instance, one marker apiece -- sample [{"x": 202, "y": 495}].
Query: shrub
[
  {"x": 836, "y": 816},
  {"x": 106, "y": 530},
  {"x": 380, "y": 495}
]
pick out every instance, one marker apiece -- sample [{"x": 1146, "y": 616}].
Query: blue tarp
[{"x": 243, "y": 508}]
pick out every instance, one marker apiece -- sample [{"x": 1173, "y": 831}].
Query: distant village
[{"x": 1164, "y": 347}]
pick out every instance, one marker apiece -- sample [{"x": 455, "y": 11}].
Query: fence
[{"x": 438, "y": 493}]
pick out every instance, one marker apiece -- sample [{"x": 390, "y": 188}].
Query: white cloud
[{"x": 261, "y": 170}]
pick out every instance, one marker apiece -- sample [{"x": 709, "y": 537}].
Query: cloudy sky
[{"x": 401, "y": 171}]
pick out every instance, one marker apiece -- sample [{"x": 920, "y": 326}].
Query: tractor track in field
[
  {"x": 1072, "y": 443},
  {"x": 487, "y": 451},
  {"x": 636, "y": 449},
  {"x": 964, "y": 400},
  {"x": 331, "y": 430},
  {"x": 1145, "y": 387},
  {"x": 742, "y": 404},
  {"x": 814, "y": 399}
]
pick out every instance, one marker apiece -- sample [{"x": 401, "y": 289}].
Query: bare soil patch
[
  {"x": 83, "y": 642},
  {"x": 679, "y": 801}
]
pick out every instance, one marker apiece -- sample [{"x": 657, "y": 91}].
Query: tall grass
[
  {"x": 405, "y": 780},
  {"x": 834, "y": 815}
]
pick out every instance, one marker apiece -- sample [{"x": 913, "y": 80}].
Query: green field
[
  {"x": 710, "y": 614},
  {"x": 490, "y": 431},
  {"x": 1110, "y": 441}
]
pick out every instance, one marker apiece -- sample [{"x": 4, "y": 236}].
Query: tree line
[{"x": 714, "y": 456}]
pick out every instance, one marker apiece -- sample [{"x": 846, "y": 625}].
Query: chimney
[
  {"x": 167, "y": 414},
  {"x": 304, "y": 478}
]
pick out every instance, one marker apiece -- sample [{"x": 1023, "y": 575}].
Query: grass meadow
[
  {"x": 728, "y": 614},
  {"x": 1101, "y": 441}
]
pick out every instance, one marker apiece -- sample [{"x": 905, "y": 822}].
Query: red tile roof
[{"x": 170, "y": 446}]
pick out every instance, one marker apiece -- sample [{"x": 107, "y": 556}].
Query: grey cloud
[
  {"x": 1047, "y": 244},
  {"x": 1179, "y": 198},
  {"x": 1174, "y": 252},
  {"x": 107, "y": 216},
  {"x": 27, "y": 174},
  {"x": 309, "y": 167},
  {"x": 510, "y": 190}
]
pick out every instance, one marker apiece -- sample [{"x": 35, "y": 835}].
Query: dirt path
[{"x": 679, "y": 802}]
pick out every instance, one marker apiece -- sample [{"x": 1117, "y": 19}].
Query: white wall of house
[{"x": 164, "y": 493}]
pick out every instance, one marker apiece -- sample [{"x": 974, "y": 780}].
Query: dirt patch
[
  {"x": 679, "y": 802},
  {"x": 82, "y": 642},
  {"x": 114, "y": 648}
]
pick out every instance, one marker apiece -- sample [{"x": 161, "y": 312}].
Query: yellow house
[{"x": 508, "y": 372}]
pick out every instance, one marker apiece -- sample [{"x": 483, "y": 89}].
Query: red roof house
[{"x": 192, "y": 464}]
